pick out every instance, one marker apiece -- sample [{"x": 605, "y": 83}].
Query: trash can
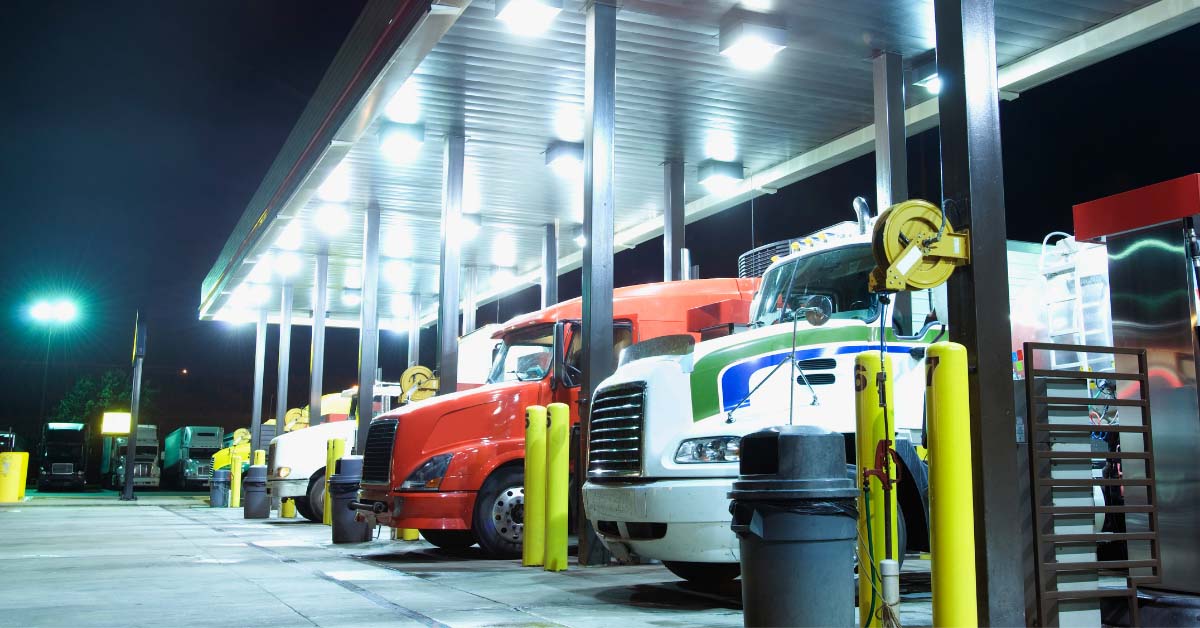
[
  {"x": 256, "y": 504},
  {"x": 343, "y": 489},
  {"x": 218, "y": 489},
  {"x": 794, "y": 513},
  {"x": 13, "y": 467}
]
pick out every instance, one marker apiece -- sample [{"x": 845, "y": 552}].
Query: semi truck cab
[
  {"x": 452, "y": 467},
  {"x": 62, "y": 456},
  {"x": 187, "y": 456}
]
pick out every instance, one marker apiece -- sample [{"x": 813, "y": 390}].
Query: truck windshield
[
  {"x": 202, "y": 453},
  {"x": 839, "y": 274},
  {"x": 146, "y": 450},
  {"x": 524, "y": 355},
  {"x": 63, "y": 450}
]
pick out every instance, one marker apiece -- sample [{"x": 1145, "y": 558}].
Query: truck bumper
[
  {"x": 674, "y": 520},
  {"x": 287, "y": 488},
  {"x": 423, "y": 511}
]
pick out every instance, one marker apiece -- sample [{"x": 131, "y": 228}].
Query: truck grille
[
  {"x": 62, "y": 468},
  {"x": 754, "y": 263},
  {"x": 615, "y": 436},
  {"x": 377, "y": 458},
  {"x": 141, "y": 470}
]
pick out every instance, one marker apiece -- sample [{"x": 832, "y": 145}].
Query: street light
[{"x": 51, "y": 314}]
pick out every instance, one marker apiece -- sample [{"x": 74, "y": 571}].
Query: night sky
[{"x": 134, "y": 135}]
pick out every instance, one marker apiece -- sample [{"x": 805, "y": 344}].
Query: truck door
[{"x": 567, "y": 388}]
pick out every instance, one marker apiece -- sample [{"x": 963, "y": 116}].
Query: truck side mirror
[{"x": 558, "y": 372}]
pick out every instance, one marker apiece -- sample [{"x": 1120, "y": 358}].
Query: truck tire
[
  {"x": 304, "y": 510},
  {"x": 499, "y": 519},
  {"x": 449, "y": 539},
  {"x": 706, "y": 575},
  {"x": 316, "y": 497}
]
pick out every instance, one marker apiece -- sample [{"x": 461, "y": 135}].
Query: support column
[
  {"x": 452, "y": 188},
  {"x": 549, "y": 267},
  {"x": 973, "y": 195},
  {"x": 414, "y": 330},
  {"x": 673, "y": 220},
  {"x": 600, "y": 120},
  {"x": 316, "y": 362},
  {"x": 285, "y": 356},
  {"x": 891, "y": 159},
  {"x": 368, "y": 324},
  {"x": 468, "y": 300},
  {"x": 260, "y": 368}
]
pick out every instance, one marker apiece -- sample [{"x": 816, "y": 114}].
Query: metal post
[
  {"x": 468, "y": 300},
  {"x": 549, "y": 267},
  {"x": 285, "y": 359},
  {"x": 973, "y": 195},
  {"x": 368, "y": 325},
  {"x": 414, "y": 330},
  {"x": 135, "y": 402},
  {"x": 316, "y": 362},
  {"x": 260, "y": 368},
  {"x": 600, "y": 120},
  {"x": 448, "y": 313},
  {"x": 672, "y": 219},
  {"x": 891, "y": 159}
]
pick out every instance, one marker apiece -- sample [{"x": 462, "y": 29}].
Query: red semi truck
[{"x": 452, "y": 466}]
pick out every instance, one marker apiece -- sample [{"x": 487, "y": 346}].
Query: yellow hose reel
[
  {"x": 418, "y": 383},
  {"x": 915, "y": 248}
]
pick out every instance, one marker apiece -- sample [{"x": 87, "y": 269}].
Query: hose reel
[
  {"x": 418, "y": 383},
  {"x": 915, "y": 248}
]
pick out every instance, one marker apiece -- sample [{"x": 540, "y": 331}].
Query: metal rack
[{"x": 1055, "y": 432}]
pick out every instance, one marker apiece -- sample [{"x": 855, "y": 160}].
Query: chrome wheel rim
[{"x": 508, "y": 514}]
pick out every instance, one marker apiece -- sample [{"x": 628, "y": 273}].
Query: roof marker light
[
  {"x": 751, "y": 40},
  {"x": 528, "y": 17}
]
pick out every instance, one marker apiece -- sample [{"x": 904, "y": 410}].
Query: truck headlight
[
  {"x": 428, "y": 477},
  {"x": 283, "y": 472},
  {"x": 709, "y": 449}
]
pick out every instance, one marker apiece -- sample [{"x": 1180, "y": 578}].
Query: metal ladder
[
  {"x": 1079, "y": 315},
  {"x": 1052, "y": 423}
]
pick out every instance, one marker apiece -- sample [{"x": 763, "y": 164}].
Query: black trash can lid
[
  {"x": 256, "y": 473},
  {"x": 349, "y": 466},
  {"x": 221, "y": 475},
  {"x": 791, "y": 462}
]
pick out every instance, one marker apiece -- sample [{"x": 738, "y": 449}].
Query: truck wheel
[
  {"x": 449, "y": 539},
  {"x": 316, "y": 497},
  {"x": 303, "y": 509},
  {"x": 704, "y": 574},
  {"x": 499, "y": 519}
]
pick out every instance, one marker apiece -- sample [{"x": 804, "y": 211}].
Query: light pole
[{"x": 51, "y": 314}]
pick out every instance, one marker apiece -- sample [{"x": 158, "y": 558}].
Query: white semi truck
[
  {"x": 146, "y": 469},
  {"x": 296, "y": 460},
  {"x": 666, "y": 429}
]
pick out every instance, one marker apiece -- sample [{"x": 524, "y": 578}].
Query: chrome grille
[
  {"x": 141, "y": 470},
  {"x": 62, "y": 468},
  {"x": 615, "y": 434},
  {"x": 754, "y": 263},
  {"x": 377, "y": 458}
]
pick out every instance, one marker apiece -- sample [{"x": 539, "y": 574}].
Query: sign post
[{"x": 139, "y": 354}]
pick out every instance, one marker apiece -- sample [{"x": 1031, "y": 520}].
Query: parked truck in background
[
  {"x": 146, "y": 464},
  {"x": 62, "y": 456},
  {"x": 296, "y": 460},
  {"x": 666, "y": 429},
  {"x": 187, "y": 456},
  {"x": 452, "y": 466},
  {"x": 8, "y": 441}
]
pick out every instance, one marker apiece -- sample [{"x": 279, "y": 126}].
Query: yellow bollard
[
  {"x": 287, "y": 508},
  {"x": 235, "y": 481},
  {"x": 951, "y": 497},
  {"x": 874, "y": 501},
  {"x": 14, "y": 466},
  {"x": 409, "y": 534},
  {"x": 533, "y": 551},
  {"x": 558, "y": 478},
  {"x": 260, "y": 456},
  {"x": 334, "y": 449}
]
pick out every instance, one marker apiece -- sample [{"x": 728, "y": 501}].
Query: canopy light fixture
[
  {"x": 751, "y": 39},
  {"x": 468, "y": 227},
  {"x": 504, "y": 251},
  {"x": 925, "y": 72},
  {"x": 336, "y": 188},
  {"x": 580, "y": 237},
  {"x": 331, "y": 219},
  {"x": 568, "y": 123},
  {"x": 720, "y": 176},
  {"x": 251, "y": 295},
  {"x": 351, "y": 297},
  {"x": 405, "y": 105},
  {"x": 503, "y": 277},
  {"x": 528, "y": 17},
  {"x": 396, "y": 272},
  {"x": 287, "y": 265},
  {"x": 565, "y": 158},
  {"x": 261, "y": 273},
  {"x": 353, "y": 277},
  {"x": 401, "y": 143},
  {"x": 292, "y": 236}
]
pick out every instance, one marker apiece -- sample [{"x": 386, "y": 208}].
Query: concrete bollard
[
  {"x": 235, "y": 481},
  {"x": 260, "y": 457},
  {"x": 951, "y": 494},
  {"x": 533, "y": 550},
  {"x": 558, "y": 482},
  {"x": 287, "y": 509},
  {"x": 874, "y": 427},
  {"x": 334, "y": 449}
]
